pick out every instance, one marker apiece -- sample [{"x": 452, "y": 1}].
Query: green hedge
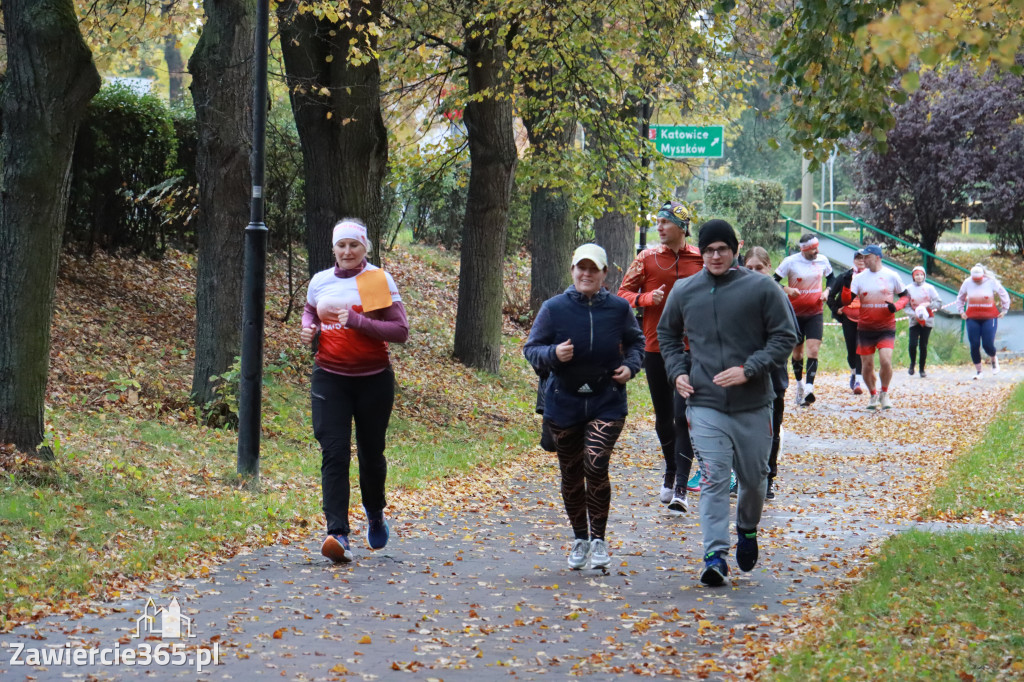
[
  {"x": 125, "y": 148},
  {"x": 751, "y": 205}
]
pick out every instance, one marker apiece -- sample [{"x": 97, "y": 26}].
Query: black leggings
[
  {"x": 778, "y": 408},
  {"x": 337, "y": 400},
  {"x": 584, "y": 452},
  {"x": 919, "y": 337},
  {"x": 669, "y": 423},
  {"x": 850, "y": 337}
]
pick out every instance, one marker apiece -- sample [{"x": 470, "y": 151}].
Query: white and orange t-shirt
[
  {"x": 922, "y": 295},
  {"x": 978, "y": 299},
  {"x": 806, "y": 276},
  {"x": 341, "y": 349},
  {"x": 876, "y": 290}
]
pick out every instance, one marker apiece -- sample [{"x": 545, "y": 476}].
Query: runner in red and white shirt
[
  {"x": 646, "y": 285},
  {"x": 881, "y": 293},
  {"x": 982, "y": 300},
  {"x": 353, "y": 320},
  {"x": 924, "y": 301},
  {"x": 804, "y": 273}
]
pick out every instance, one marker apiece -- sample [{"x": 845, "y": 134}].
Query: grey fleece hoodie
[{"x": 738, "y": 318}]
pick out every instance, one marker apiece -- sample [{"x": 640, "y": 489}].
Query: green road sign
[{"x": 688, "y": 142}]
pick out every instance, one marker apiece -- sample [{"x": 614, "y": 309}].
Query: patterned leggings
[{"x": 584, "y": 452}]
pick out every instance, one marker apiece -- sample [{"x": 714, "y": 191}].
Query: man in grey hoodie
[{"x": 721, "y": 333}]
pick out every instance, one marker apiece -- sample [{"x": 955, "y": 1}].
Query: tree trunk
[
  {"x": 552, "y": 232},
  {"x": 336, "y": 104},
  {"x": 615, "y": 231},
  {"x": 222, "y": 86},
  {"x": 49, "y": 81},
  {"x": 175, "y": 64},
  {"x": 493, "y": 158},
  {"x": 552, "y": 237},
  {"x": 175, "y": 69}
]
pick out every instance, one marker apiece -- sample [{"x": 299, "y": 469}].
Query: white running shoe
[
  {"x": 995, "y": 365},
  {"x": 873, "y": 403},
  {"x": 800, "y": 392},
  {"x": 977, "y": 376},
  {"x": 665, "y": 495},
  {"x": 578, "y": 554},
  {"x": 883, "y": 400},
  {"x": 677, "y": 507},
  {"x": 599, "y": 554}
]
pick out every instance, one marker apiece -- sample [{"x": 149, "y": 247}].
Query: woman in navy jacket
[{"x": 590, "y": 342}]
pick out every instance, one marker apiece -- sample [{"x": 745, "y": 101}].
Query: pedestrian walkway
[{"x": 478, "y": 588}]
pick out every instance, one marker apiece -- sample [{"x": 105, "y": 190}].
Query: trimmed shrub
[
  {"x": 752, "y": 206},
  {"x": 126, "y": 147}
]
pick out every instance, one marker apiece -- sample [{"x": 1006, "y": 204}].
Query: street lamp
[{"x": 254, "y": 285}]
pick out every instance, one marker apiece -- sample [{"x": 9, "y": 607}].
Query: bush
[
  {"x": 518, "y": 220},
  {"x": 285, "y": 181},
  {"x": 126, "y": 147},
  {"x": 751, "y": 205},
  {"x": 431, "y": 200}
]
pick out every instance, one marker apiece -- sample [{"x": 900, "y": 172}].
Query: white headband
[
  {"x": 809, "y": 244},
  {"x": 350, "y": 230}
]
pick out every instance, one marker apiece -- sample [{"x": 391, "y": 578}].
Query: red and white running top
[
  {"x": 347, "y": 349},
  {"x": 806, "y": 276},
  {"x": 876, "y": 290},
  {"x": 979, "y": 299}
]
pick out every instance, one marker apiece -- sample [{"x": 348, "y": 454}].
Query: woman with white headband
[
  {"x": 924, "y": 301},
  {"x": 805, "y": 272},
  {"x": 352, "y": 311},
  {"x": 982, "y": 300}
]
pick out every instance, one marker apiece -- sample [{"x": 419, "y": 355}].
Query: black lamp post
[{"x": 254, "y": 286}]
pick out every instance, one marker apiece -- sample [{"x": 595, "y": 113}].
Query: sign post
[{"x": 688, "y": 142}]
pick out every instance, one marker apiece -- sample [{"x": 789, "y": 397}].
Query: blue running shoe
[
  {"x": 336, "y": 548},
  {"x": 377, "y": 530},
  {"x": 693, "y": 485},
  {"x": 733, "y": 485},
  {"x": 715, "y": 569},
  {"x": 746, "y": 549}
]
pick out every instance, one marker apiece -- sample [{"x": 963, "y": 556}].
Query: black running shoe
[{"x": 746, "y": 549}]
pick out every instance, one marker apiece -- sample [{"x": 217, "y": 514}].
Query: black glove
[{"x": 891, "y": 307}]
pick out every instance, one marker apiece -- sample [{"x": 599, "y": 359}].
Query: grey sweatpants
[{"x": 724, "y": 442}]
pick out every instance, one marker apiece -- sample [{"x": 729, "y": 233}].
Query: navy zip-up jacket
[
  {"x": 605, "y": 335},
  {"x": 737, "y": 318}
]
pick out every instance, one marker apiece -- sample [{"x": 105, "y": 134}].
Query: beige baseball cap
[{"x": 591, "y": 252}]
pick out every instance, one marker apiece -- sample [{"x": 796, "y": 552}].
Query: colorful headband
[
  {"x": 809, "y": 244},
  {"x": 350, "y": 230}
]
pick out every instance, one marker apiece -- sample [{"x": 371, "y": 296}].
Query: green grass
[
  {"x": 933, "y": 607},
  {"x": 936, "y": 606},
  {"x": 991, "y": 475}
]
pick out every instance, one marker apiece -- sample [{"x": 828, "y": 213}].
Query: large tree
[
  {"x": 844, "y": 63},
  {"x": 50, "y": 79},
  {"x": 946, "y": 150},
  {"x": 331, "y": 63},
  {"x": 493, "y": 158},
  {"x": 222, "y": 80}
]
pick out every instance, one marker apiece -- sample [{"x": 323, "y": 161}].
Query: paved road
[{"x": 479, "y": 590}]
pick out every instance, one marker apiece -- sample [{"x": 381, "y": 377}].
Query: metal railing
[{"x": 862, "y": 225}]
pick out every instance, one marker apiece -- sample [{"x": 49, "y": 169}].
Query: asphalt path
[{"x": 475, "y": 585}]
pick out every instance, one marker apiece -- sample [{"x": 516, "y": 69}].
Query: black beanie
[{"x": 717, "y": 231}]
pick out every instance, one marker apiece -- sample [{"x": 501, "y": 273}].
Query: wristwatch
[{"x": 748, "y": 372}]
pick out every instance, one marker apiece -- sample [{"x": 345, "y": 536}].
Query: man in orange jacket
[{"x": 646, "y": 285}]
